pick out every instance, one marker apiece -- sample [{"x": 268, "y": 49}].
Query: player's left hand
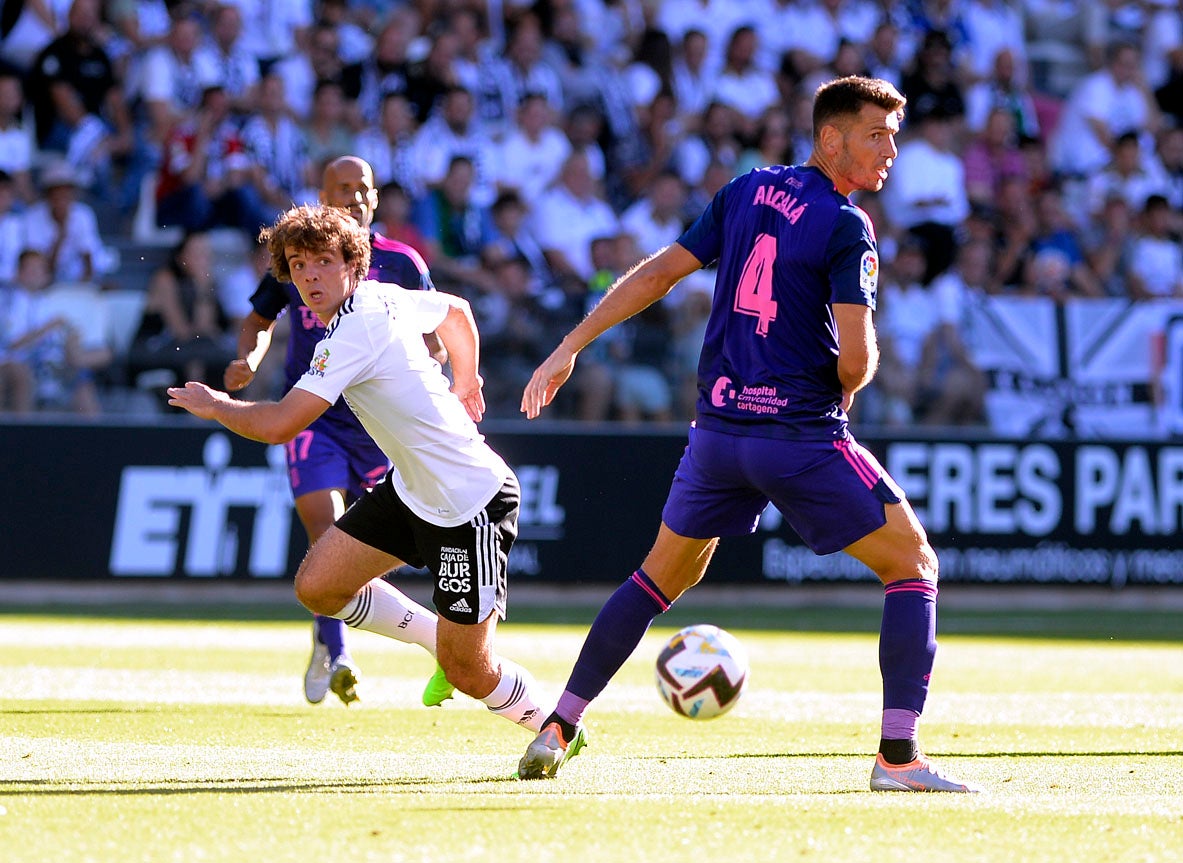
[
  {"x": 196, "y": 398},
  {"x": 472, "y": 396}
]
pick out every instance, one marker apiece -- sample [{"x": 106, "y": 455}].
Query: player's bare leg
[
  {"x": 341, "y": 578},
  {"x": 899, "y": 553}
]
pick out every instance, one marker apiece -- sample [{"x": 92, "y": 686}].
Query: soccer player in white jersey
[{"x": 450, "y": 502}]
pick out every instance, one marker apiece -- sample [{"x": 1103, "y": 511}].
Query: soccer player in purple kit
[
  {"x": 788, "y": 344},
  {"x": 334, "y": 460}
]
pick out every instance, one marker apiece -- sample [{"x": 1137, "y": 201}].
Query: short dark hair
[{"x": 843, "y": 98}]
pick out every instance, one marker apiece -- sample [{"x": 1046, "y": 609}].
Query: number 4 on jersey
[{"x": 753, "y": 296}]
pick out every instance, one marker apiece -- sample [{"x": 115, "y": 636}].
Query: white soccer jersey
[{"x": 373, "y": 353}]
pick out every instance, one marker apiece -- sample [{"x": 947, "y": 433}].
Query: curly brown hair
[{"x": 316, "y": 228}]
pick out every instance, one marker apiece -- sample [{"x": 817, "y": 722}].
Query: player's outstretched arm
[
  {"x": 639, "y": 288},
  {"x": 254, "y": 338},
  {"x": 269, "y": 422}
]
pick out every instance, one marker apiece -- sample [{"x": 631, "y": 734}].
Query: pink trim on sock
[
  {"x": 657, "y": 597},
  {"x": 571, "y": 707},
  {"x": 912, "y": 585}
]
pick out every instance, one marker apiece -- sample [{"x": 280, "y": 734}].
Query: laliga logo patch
[
  {"x": 319, "y": 362},
  {"x": 868, "y": 277}
]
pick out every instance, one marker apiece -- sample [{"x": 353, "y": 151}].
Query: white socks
[
  {"x": 516, "y": 697},
  {"x": 379, "y": 607}
]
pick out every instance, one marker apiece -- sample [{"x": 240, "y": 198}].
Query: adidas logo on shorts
[{"x": 460, "y": 605}]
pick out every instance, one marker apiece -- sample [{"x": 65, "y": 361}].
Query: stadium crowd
[{"x": 534, "y": 151}]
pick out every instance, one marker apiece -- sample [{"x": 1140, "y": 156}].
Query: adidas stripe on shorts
[{"x": 468, "y": 563}]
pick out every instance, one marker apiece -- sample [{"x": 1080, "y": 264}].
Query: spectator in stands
[
  {"x": 455, "y": 229},
  {"x": 1157, "y": 269},
  {"x": 951, "y": 389},
  {"x": 811, "y": 33},
  {"x": 906, "y": 315},
  {"x": 1109, "y": 246},
  {"x": 991, "y": 26},
  {"x": 61, "y": 368},
  {"x": 184, "y": 333},
  {"x": 1055, "y": 263},
  {"x": 513, "y": 238},
  {"x": 277, "y": 149},
  {"x": 927, "y": 193},
  {"x": 533, "y": 152},
  {"x": 1169, "y": 96},
  {"x": 655, "y": 220},
  {"x": 1065, "y": 39},
  {"x": 1105, "y": 104},
  {"x": 16, "y": 150},
  {"x": 75, "y": 66},
  {"x": 326, "y": 132},
  {"x": 585, "y": 129},
  {"x": 65, "y": 229},
  {"x": 12, "y": 230},
  {"x": 931, "y": 82},
  {"x": 454, "y": 131},
  {"x": 27, "y": 28},
  {"x": 433, "y": 75},
  {"x": 392, "y": 219},
  {"x": 173, "y": 76},
  {"x": 1169, "y": 155},
  {"x": 355, "y": 44},
  {"x": 883, "y": 56},
  {"x": 638, "y": 349},
  {"x": 772, "y": 144},
  {"x": 716, "y": 18},
  {"x": 1130, "y": 175},
  {"x": 390, "y": 146},
  {"x": 693, "y": 80},
  {"x": 992, "y": 157},
  {"x": 1003, "y": 89},
  {"x": 386, "y": 70},
  {"x": 716, "y": 141},
  {"x": 472, "y": 47},
  {"x": 742, "y": 85},
  {"x": 517, "y": 331},
  {"x": 639, "y": 158},
  {"x": 205, "y": 177},
  {"x": 274, "y": 29},
  {"x": 568, "y": 217},
  {"x": 302, "y": 72},
  {"x": 225, "y": 53},
  {"x": 519, "y": 72}
]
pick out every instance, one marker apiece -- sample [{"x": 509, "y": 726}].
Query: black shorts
[{"x": 468, "y": 563}]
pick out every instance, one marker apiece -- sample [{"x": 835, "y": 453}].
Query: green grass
[{"x": 139, "y": 735}]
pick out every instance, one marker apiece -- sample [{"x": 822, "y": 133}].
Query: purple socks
[
  {"x": 615, "y": 634},
  {"x": 907, "y": 647},
  {"x": 331, "y": 633}
]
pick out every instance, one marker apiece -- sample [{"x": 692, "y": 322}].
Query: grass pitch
[{"x": 153, "y": 736}]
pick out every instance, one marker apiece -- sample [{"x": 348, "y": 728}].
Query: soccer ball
[{"x": 702, "y": 671}]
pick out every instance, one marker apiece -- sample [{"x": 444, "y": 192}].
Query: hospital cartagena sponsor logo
[
  {"x": 319, "y": 363},
  {"x": 753, "y": 399},
  {"x": 205, "y": 521}
]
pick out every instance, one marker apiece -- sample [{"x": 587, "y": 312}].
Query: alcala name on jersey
[{"x": 781, "y": 201}]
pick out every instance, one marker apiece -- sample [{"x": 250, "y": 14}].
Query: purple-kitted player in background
[
  {"x": 334, "y": 460},
  {"x": 788, "y": 343}
]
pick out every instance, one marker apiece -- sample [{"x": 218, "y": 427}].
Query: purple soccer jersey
[
  {"x": 335, "y": 451},
  {"x": 787, "y": 246}
]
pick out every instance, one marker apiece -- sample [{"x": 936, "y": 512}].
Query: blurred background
[{"x": 1031, "y": 296}]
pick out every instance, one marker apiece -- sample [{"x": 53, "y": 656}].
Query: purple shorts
[
  {"x": 318, "y": 461},
  {"x": 831, "y": 492}
]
